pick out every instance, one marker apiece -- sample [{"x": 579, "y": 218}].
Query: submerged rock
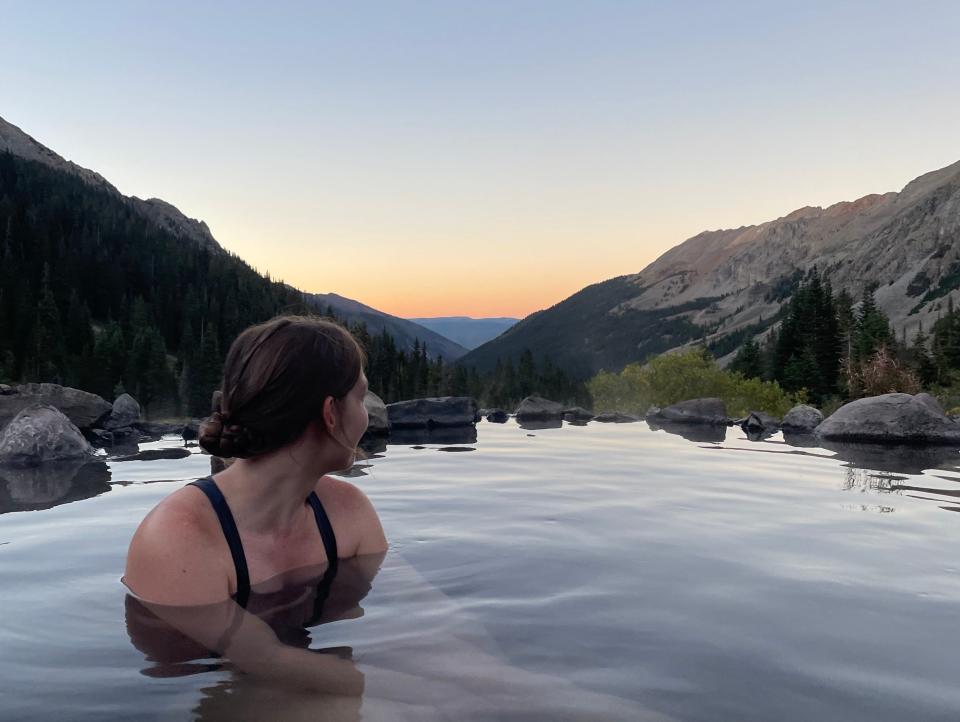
[
  {"x": 82, "y": 408},
  {"x": 696, "y": 411},
  {"x": 42, "y": 434},
  {"x": 155, "y": 455},
  {"x": 432, "y": 412},
  {"x": 801, "y": 419},
  {"x": 377, "y": 412},
  {"x": 891, "y": 418},
  {"x": 537, "y": 407}
]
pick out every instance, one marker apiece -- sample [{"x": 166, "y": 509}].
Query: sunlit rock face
[{"x": 41, "y": 434}]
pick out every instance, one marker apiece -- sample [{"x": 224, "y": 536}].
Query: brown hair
[{"x": 275, "y": 379}]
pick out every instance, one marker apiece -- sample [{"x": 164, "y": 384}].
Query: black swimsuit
[{"x": 209, "y": 487}]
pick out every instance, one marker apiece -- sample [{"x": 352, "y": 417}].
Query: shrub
[
  {"x": 670, "y": 378},
  {"x": 881, "y": 373}
]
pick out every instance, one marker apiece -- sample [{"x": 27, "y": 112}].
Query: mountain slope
[
  {"x": 166, "y": 218},
  {"x": 719, "y": 283},
  {"x": 466, "y": 331},
  {"x": 404, "y": 332},
  {"x": 159, "y": 212}
]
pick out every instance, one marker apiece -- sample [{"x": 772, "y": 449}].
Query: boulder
[
  {"x": 125, "y": 413},
  {"x": 615, "y": 417},
  {"x": 537, "y": 407},
  {"x": 41, "y": 434},
  {"x": 696, "y": 411},
  {"x": 801, "y": 419},
  {"x": 891, "y": 418},
  {"x": 82, "y": 408},
  {"x": 652, "y": 412},
  {"x": 157, "y": 428},
  {"x": 760, "y": 421},
  {"x": 377, "y": 411},
  {"x": 5, "y": 389},
  {"x": 433, "y": 412},
  {"x": 577, "y": 413},
  {"x": 496, "y": 416},
  {"x": 190, "y": 430}
]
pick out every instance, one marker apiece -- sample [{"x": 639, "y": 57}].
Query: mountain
[
  {"x": 466, "y": 331},
  {"x": 160, "y": 212},
  {"x": 722, "y": 286},
  {"x": 405, "y": 332},
  {"x": 168, "y": 218}
]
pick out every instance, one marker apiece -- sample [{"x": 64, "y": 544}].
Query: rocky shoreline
[{"x": 47, "y": 423}]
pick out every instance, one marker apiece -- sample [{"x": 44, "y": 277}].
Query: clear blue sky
[{"x": 484, "y": 158}]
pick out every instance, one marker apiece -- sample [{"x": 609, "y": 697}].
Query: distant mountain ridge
[
  {"x": 404, "y": 332},
  {"x": 718, "y": 285},
  {"x": 466, "y": 331},
  {"x": 168, "y": 218}
]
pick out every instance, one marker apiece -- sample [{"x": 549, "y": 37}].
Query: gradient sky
[{"x": 484, "y": 158}]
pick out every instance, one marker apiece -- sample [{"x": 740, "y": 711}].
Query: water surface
[{"x": 582, "y": 572}]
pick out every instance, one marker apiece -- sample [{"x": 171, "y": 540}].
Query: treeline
[
  {"x": 395, "y": 374},
  {"x": 837, "y": 349},
  {"x": 93, "y": 295}
]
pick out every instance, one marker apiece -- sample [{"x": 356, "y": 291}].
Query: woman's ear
[{"x": 330, "y": 414}]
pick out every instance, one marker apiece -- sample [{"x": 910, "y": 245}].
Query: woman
[{"x": 291, "y": 411}]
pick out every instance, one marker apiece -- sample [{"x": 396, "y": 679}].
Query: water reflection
[
  {"x": 537, "y": 424},
  {"x": 437, "y": 435},
  {"x": 897, "y": 459},
  {"x": 701, "y": 433},
  {"x": 52, "y": 484}
]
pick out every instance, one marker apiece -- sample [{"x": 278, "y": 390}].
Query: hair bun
[{"x": 219, "y": 436}]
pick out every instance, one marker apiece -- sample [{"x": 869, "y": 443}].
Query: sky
[{"x": 483, "y": 159}]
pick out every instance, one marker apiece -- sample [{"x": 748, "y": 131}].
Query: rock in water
[
  {"x": 891, "y": 418},
  {"x": 760, "y": 421},
  {"x": 696, "y": 411},
  {"x": 577, "y": 413},
  {"x": 40, "y": 434},
  {"x": 377, "y": 412},
  {"x": 615, "y": 417},
  {"x": 537, "y": 407},
  {"x": 434, "y": 412},
  {"x": 495, "y": 416},
  {"x": 125, "y": 413},
  {"x": 82, "y": 408},
  {"x": 801, "y": 419}
]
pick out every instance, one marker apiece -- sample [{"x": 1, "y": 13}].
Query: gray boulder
[
  {"x": 377, "y": 411},
  {"x": 82, "y": 408},
  {"x": 615, "y": 417},
  {"x": 652, "y": 412},
  {"x": 537, "y": 407},
  {"x": 496, "y": 416},
  {"x": 41, "y": 434},
  {"x": 5, "y": 389},
  {"x": 696, "y": 411},
  {"x": 892, "y": 419},
  {"x": 760, "y": 421},
  {"x": 801, "y": 419},
  {"x": 125, "y": 413},
  {"x": 577, "y": 413},
  {"x": 433, "y": 412}
]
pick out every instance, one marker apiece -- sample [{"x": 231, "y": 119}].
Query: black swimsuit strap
[
  {"x": 326, "y": 529},
  {"x": 209, "y": 487}
]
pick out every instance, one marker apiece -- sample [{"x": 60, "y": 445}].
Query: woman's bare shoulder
[
  {"x": 355, "y": 522},
  {"x": 174, "y": 557}
]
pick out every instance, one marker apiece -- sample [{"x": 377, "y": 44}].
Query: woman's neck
[{"x": 267, "y": 494}]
